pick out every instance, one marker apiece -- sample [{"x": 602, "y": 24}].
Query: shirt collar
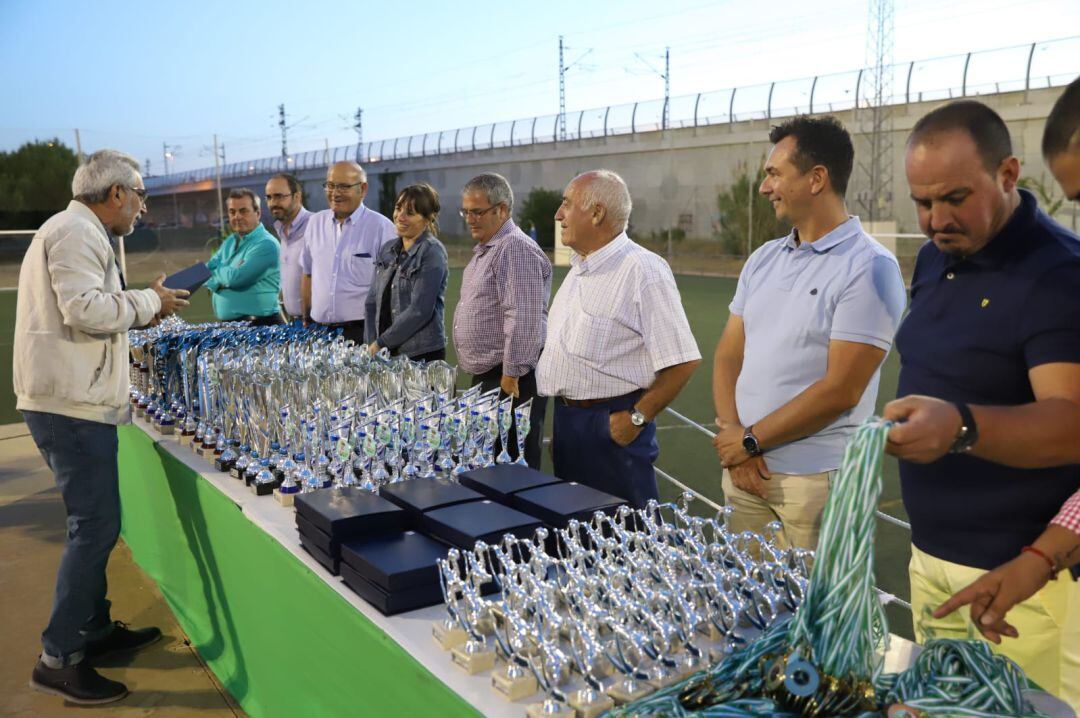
[
  {"x": 298, "y": 222},
  {"x": 838, "y": 235},
  {"x": 503, "y": 232},
  {"x": 1008, "y": 240},
  {"x": 596, "y": 260},
  {"x": 352, "y": 218}
]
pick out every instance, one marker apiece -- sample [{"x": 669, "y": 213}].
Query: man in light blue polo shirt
[
  {"x": 338, "y": 257},
  {"x": 798, "y": 364}
]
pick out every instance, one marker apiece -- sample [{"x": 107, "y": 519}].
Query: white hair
[
  {"x": 609, "y": 190},
  {"x": 102, "y": 171}
]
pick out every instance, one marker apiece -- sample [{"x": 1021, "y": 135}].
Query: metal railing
[
  {"x": 1011, "y": 69},
  {"x": 883, "y": 595}
]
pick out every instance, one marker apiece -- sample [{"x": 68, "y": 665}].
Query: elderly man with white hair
[
  {"x": 70, "y": 364},
  {"x": 619, "y": 348}
]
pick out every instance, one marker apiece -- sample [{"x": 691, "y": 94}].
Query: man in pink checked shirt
[{"x": 501, "y": 319}]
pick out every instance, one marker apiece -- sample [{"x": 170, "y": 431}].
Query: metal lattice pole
[{"x": 875, "y": 114}]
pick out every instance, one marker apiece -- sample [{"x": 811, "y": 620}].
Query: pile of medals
[
  {"x": 293, "y": 409},
  {"x": 652, "y": 595}
]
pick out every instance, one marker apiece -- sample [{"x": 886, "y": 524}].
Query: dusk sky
[{"x": 134, "y": 75}]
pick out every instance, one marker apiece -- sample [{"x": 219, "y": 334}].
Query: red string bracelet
[{"x": 1050, "y": 562}]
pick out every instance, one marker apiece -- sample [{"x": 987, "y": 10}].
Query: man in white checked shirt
[{"x": 619, "y": 348}]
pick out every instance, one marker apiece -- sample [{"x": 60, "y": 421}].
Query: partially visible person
[
  {"x": 285, "y": 200},
  {"x": 244, "y": 274},
  {"x": 619, "y": 348},
  {"x": 408, "y": 294},
  {"x": 70, "y": 373},
  {"x": 798, "y": 365},
  {"x": 995, "y": 593},
  {"x": 989, "y": 390},
  {"x": 338, "y": 257},
  {"x": 501, "y": 318}
]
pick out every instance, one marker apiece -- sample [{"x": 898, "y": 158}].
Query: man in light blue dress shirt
[
  {"x": 797, "y": 367},
  {"x": 285, "y": 201},
  {"x": 338, "y": 259}
]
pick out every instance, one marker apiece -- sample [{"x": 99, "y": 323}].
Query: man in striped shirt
[
  {"x": 619, "y": 348},
  {"x": 501, "y": 319}
]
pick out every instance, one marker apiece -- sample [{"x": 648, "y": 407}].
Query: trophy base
[
  {"x": 185, "y": 439},
  {"x": 473, "y": 661},
  {"x": 590, "y": 706},
  {"x": 549, "y": 709},
  {"x": 283, "y": 499},
  {"x": 622, "y": 695},
  {"x": 264, "y": 489},
  {"x": 207, "y": 452},
  {"x": 140, "y": 411},
  {"x": 165, "y": 429},
  {"x": 224, "y": 466},
  {"x": 448, "y": 638},
  {"x": 665, "y": 680},
  {"x": 237, "y": 473},
  {"x": 514, "y": 689}
]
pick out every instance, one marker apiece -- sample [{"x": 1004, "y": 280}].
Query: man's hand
[
  {"x": 929, "y": 428},
  {"x": 993, "y": 594},
  {"x": 751, "y": 475},
  {"x": 729, "y": 444},
  {"x": 623, "y": 431},
  {"x": 509, "y": 386},
  {"x": 171, "y": 299},
  {"x": 373, "y": 348}
]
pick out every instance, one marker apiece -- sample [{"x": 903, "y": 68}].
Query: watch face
[
  {"x": 637, "y": 418},
  {"x": 750, "y": 444}
]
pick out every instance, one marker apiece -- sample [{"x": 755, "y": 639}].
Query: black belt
[{"x": 589, "y": 403}]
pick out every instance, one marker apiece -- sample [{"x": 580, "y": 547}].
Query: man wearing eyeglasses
[
  {"x": 70, "y": 366},
  {"x": 286, "y": 204},
  {"x": 501, "y": 318},
  {"x": 338, "y": 256},
  {"x": 244, "y": 276}
]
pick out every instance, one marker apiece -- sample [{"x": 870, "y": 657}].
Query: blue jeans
[
  {"x": 82, "y": 457},
  {"x": 583, "y": 451}
]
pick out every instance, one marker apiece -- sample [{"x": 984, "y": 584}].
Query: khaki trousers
[
  {"x": 795, "y": 501},
  {"x": 1048, "y": 648}
]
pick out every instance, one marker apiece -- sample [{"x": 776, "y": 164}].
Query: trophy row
[
  {"x": 621, "y": 605},
  {"x": 293, "y": 409}
]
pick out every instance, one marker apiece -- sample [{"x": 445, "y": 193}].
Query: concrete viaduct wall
[{"x": 674, "y": 175}]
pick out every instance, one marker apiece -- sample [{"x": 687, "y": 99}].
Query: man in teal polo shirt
[{"x": 245, "y": 278}]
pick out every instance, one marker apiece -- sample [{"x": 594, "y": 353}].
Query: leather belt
[{"x": 589, "y": 403}]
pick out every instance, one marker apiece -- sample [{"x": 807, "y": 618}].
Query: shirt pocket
[
  {"x": 359, "y": 270},
  {"x": 597, "y": 339}
]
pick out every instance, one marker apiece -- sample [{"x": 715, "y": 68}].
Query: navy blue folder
[
  {"x": 396, "y": 562},
  {"x": 331, "y": 564},
  {"x": 418, "y": 496},
  {"x": 190, "y": 279},
  {"x": 389, "y": 603},
  {"x": 465, "y": 524},
  {"x": 350, "y": 512},
  {"x": 500, "y": 481},
  {"x": 556, "y": 504}
]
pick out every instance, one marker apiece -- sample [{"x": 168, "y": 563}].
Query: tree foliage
[
  {"x": 734, "y": 203},
  {"x": 388, "y": 193},
  {"x": 538, "y": 210},
  {"x": 35, "y": 183}
]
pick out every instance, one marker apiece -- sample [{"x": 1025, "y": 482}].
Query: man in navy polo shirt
[
  {"x": 990, "y": 349},
  {"x": 798, "y": 364}
]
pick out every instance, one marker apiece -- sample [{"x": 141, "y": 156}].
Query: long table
[{"x": 283, "y": 636}]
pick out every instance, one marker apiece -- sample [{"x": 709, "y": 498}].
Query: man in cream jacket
[{"x": 71, "y": 379}]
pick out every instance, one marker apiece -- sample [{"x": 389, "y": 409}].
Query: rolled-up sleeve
[{"x": 871, "y": 305}]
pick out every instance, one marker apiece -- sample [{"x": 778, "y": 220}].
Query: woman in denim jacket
[{"x": 408, "y": 293}]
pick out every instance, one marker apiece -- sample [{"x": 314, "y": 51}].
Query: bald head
[{"x": 346, "y": 185}]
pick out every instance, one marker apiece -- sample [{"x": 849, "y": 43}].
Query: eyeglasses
[
  {"x": 332, "y": 187},
  {"x": 278, "y": 196},
  {"x": 140, "y": 192},
  {"x": 475, "y": 213}
]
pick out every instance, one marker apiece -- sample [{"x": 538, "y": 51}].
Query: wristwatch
[
  {"x": 637, "y": 418},
  {"x": 968, "y": 434},
  {"x": 750, "y": 442}
]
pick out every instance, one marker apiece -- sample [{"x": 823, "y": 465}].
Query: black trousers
[
  {"x": 351, "y": 330},
  {"x": 526, "y": 390},
  {"x": 429, "y": 356}
]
